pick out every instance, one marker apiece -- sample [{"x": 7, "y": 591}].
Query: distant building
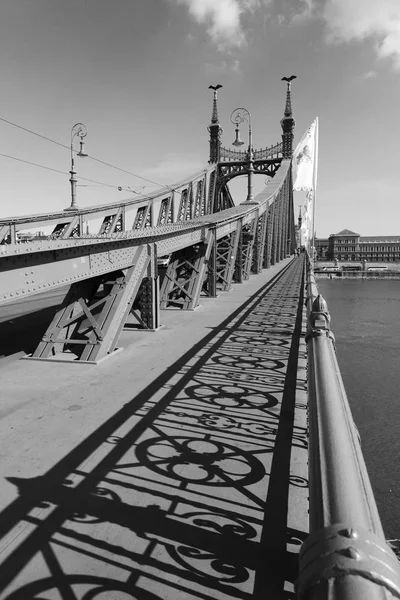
[
  {"x": 350, "y": 246},
  {"x": 322, "y": 248}
]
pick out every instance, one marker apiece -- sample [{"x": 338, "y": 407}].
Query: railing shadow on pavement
[{"x": 183, "y": 492}]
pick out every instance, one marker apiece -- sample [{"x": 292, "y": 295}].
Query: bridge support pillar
[
  {"x": 185, "y": 275},
  {"x": 87, "y": 326},
  {"x": 245, "y": 251},
  {"x": 259, "y": 244},
  {"x": 227, "y": 249}
]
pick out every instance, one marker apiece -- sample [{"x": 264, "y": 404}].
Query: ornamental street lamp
[
  {"x": 79, "y": 129},
  {"x": 238, "y": 116}
]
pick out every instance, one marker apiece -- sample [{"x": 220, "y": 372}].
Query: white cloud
[
  {"x": 222, "y": 67},
  {"x": 222, "y": 18},
  {"x": 369, "y": 75},
  {"x": 216, "y": 68},
  {"x": 307, "y": 10},
  {"x": 236, "y": 66},
  {"x": 379, "y": 20}
]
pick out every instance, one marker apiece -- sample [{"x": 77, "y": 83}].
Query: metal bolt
[
  {"x": 351, "y": 553},
  {"x": 349, "y": 533}
]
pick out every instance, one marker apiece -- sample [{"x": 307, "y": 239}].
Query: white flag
[
  {"x": 305, "y": 161},
  {"x": 306, "y": 221}
]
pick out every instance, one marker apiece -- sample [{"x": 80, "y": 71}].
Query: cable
[
  {"x": 34, "y": 164},
  {"x": 129, "y": 173},
  {"x": 34, "y": 133},
  {"x": 92, "y": 157},
  {"x": 56, "y": 170}
]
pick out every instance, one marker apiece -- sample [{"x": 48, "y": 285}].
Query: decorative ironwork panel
[
  {"x": 165, "y": 213},
  {"x": 183, "y": 206},
  {"x": 106, "y": 224},
  {"x": 274, "y": 151},
  {"x": 212, "y": 185},
  {"x": 189, "y": 203},
  {"x": 148, "y": 221},
  {"x": 140, "y": 218},
  {"x": 259, "y": 244},
  {"x": 185, "y": 276},
  {"x": 199, "y": 200}
]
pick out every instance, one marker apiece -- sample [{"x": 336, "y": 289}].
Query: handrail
[
  {"x": 165, "y": 191},
  {"x": 345, "y": 556}
]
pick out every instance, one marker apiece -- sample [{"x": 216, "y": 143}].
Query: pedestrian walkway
[{"x": 194, "y": 488}]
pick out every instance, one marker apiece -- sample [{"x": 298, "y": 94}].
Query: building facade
[
  {"x": 322, "y": 248},
  {"x": 350, "y": 246}
]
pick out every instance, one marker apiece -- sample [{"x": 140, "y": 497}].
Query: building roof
[
  {"x": 384, "y": 239},
  {"x": 345, "y": 232}
]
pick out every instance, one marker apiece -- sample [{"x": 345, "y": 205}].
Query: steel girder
[
  {"x": 244, "y": 255},
  {"x": 73, "y": 228},
  {"x": 227, "y": 248},
  {"x": 113, "y": 223},
  {"x": 165, "y": 215},
  {"x": 260, "y": 244},
  {"x": 221, "y": 265},
  {"x": 36, "y": 267},
  {"x": 268, "y": 237},
  {"x": 275, "y": 231},
  {"x": 229, "y": 170},
  {"x": 185, "y": 275},
  {"x": 145, "y": 212},
  {"x": 92, "y": 315}
]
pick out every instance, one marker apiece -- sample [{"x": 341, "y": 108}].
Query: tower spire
[
  {"x": 214, "y": 128},
  {"x": 288, "y": 123},
  {"x": 214, "y": 116}
]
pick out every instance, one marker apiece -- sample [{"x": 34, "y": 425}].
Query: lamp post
[
  {"x": 79, "y": 129},
  {"x": 238, "y": 116}
]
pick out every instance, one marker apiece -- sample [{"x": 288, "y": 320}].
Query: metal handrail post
[{"x": 346, "y": 556}]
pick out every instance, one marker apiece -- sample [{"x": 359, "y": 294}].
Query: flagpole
[{"x": 315, "y": 174}]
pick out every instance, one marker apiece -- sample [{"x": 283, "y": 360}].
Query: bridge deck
[{"x": 175, "y": 470}]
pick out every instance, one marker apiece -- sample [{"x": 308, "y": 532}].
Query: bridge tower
[
  {"x": 215, "y": 129},
  {"x": 288, "y": 122}
]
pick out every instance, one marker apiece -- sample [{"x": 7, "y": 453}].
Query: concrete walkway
[{"x": 175, "y": 469}]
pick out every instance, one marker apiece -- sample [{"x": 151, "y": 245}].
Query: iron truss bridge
[{"x": 114, "y": 273}]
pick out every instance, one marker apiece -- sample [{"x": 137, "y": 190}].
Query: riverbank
[{"x": 357, "y": 275}]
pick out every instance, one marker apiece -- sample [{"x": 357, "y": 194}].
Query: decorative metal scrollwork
[{"x": 197, "y": 460}]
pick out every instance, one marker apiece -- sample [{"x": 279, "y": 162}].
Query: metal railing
[{"x": 346, "y": 555}]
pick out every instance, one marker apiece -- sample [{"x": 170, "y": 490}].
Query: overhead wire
[
  {"x": 28, "y": 162},
  {"x": 89, "y": 156}
]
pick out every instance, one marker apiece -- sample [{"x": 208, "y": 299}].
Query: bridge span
[
  {"x": 216, "y": 455},
  {"x": 177, "y": 469}
]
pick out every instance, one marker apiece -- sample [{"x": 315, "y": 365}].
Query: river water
[{"x": 366, "y": 323}]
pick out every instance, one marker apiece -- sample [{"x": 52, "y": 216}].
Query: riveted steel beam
[
  {"x": 227, "y": 248},
  {"x": 113, "y": 222},
  {"x": 259, "y": 244},
  {"x": 87, "y": 325},
  {"x": 244, "y": 253},
  {"x": 36, "y": 267},
  {"x": 185, "y": 275}
]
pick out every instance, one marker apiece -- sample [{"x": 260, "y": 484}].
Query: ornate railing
[
  {"x": 346, "y": 555},
  {"x": 273, "y": 151}
]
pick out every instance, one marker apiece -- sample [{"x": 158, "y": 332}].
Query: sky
[{"x": 136, "y": 73}]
